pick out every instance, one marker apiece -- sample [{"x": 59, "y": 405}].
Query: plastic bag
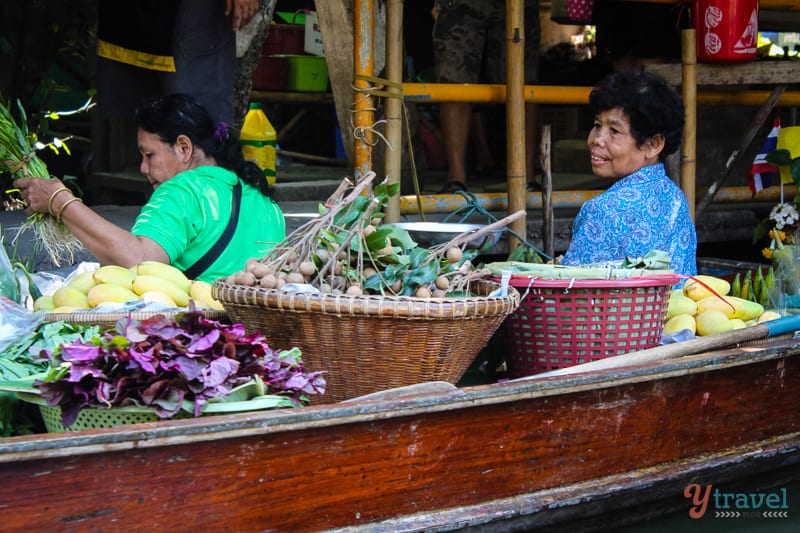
[
  {"x": 9, "y": 288},
  {"x": 16, "y": 321},
  {"x": 785, "y": 292}
]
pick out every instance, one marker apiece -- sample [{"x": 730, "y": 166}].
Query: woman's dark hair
[
  {"x": 649, "y": 103},
  {"x": 180, "y": 114}
]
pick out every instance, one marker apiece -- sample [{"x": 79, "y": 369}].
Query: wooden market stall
[{"x": 702, "y": 84}]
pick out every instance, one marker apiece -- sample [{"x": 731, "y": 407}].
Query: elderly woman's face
[
  {"x": 612, "y": 146},
  {"x": 160, "y": 161}
]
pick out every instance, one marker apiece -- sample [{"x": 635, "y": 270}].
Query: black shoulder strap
[{"x": 204, "y": 262}]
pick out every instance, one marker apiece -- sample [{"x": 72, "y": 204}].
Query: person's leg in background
[
  {"x": 483, "y": 159},
  {"x": 531, "y": 146},
  {"x": 458, "y": 44},
  {"x": 205, "y": 57},
  {"x": 456, "y": 118}
]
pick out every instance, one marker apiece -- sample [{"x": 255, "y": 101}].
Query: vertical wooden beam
[
  {"x": 689, "y": 93},
  {"x": 515, "y": 115},
  {"x": 363, "y": 106},
  {"x": 336, "y": 25},
  {"x": 548, "y": 216},
  {"x": 394, "y": 105}
]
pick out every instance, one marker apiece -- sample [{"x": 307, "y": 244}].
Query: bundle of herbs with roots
[
  {"x": 18, "y": 157},
  {"x": 348, "y": 250}
]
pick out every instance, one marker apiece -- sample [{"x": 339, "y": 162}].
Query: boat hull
[{"x": 509, "y": 455}]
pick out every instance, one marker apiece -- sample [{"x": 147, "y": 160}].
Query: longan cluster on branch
[{"x": 349, "y": 250}]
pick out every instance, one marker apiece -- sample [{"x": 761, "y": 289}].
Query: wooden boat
[{"x": 517, "y": 455}]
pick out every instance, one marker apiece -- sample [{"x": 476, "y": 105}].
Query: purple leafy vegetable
[{"x": 161, "y": 363}]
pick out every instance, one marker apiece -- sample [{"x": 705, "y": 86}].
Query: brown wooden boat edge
[
  {"x": 587, "y": 500},
  {"x": 367, "y": 463},
  {"x": 430, "y": 399}
]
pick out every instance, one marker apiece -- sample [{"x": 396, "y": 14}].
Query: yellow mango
[
  {"x": 680, "y": 304},
  {"x": 44, "y": 303},
  {"x": 732, "y": 306},
  {"x": 146, "y": 282},
  {"x": 83, "y": 281},
  {"x": 712, "y": 322},
  {"x": 738, "y": 323},
  {"x": 159, "y": 297},
  {"x": 694, "y": 288},
  {"x": 766, "y": 316},
  {"x": 67, "y": 296},
  {"x": 114, "y": 275},
  {"x": 679, "y": 322},
  {"x": 110, "y": 292},
  {"x": 164, "y": 271},
  {"x": 200, "y": 291}
]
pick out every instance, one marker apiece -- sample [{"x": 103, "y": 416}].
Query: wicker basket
[
  {"x": 370, "y": 343},
  {"x": 562, "y": 323},
  {"x": 110, "y": 319}
]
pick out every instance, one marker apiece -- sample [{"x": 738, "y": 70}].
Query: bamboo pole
[
  {"x": 515, "y": 115},
  {"x": 689, "y": 144},
  {"x": 498, "y": 201},
  {"x": 394, "y": 105},
  {"x": 728, "y": 339},
  {"x": 363, "y": 106},
  {"x": 430, "y": 93},
  {"x": 491, "y": 93}
]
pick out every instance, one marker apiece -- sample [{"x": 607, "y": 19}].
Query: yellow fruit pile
[
  {"x": 149, "y": 280},
  {"x": 696, "y": 307}
]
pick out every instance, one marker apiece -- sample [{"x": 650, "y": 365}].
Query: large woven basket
[{"x": 370, "y": 343}]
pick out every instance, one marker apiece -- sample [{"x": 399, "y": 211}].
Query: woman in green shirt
[{"x": 195, "y": 219}]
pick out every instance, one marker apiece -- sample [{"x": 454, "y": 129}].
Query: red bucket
[
  {"x": 270, "y": 74},
  {"x": 727, "y": 30}
]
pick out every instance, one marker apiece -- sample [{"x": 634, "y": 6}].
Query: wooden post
[
  {"x": 363, "y": 106},
  {"x": 394, "y": 105},
  {"x": 689, "y": 144},
  {"x": 336, "y": 24},
  {"x": 548, "y": 222},
  {"x": 515, "y": 115}
]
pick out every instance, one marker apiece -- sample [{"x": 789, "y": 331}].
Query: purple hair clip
[{"x": 221, "y": 132}]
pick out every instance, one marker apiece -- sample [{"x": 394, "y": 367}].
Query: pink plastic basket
[{"x": 561, "y": 323}]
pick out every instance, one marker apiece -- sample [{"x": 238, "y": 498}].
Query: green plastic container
[{"x": 307, "y": 73}]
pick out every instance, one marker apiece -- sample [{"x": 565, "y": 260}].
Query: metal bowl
[{"x": 432, "y": 233}]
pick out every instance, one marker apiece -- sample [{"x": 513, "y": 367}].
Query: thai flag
[{"x": 761, "y": 173}]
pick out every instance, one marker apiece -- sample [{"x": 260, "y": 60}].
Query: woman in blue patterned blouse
[{"x": 638, "y": 123}]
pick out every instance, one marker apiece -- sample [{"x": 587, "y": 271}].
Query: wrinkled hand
[
  {"x": 242, "y": 12},
  {"x": 36, "y": 192}
]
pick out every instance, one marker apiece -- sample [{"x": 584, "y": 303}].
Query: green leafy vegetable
[
  {"x": 18, "y": 147},
  {"x": 165, "y": 363}
]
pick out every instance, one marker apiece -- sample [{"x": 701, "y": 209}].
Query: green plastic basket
[
  {"x": 93, "y": 418},
  {"x": 97, "y": 418}
]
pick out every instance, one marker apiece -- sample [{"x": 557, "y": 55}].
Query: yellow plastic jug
[{"x": 258, "y": 140}]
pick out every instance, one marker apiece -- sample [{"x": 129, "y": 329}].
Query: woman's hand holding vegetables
[
  {"x": 45, "y": 196},
  {"x": 109, "y": 243}
]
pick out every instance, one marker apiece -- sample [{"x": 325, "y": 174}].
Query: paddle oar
[{"x": 772, "y": 328}]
